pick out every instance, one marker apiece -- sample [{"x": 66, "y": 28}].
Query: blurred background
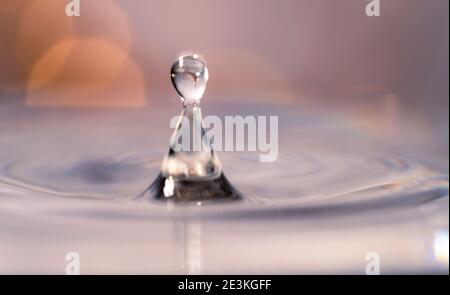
[{"x": 325, "y": 55}]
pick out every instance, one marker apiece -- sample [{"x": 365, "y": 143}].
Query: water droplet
[
  {"x": 192, "y": 174},
  {"x": 189, "y": 77}
]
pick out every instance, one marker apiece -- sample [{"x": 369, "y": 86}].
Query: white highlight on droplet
[{"x": 169, "y": 187}]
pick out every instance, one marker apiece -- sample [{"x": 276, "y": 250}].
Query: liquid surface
[{"x": 69, "y": 179}]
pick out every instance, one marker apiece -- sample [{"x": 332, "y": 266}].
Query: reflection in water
[{"x": 191, "y": 245}]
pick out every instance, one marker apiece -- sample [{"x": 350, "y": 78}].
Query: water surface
[{"x": 69, "y": 180}]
